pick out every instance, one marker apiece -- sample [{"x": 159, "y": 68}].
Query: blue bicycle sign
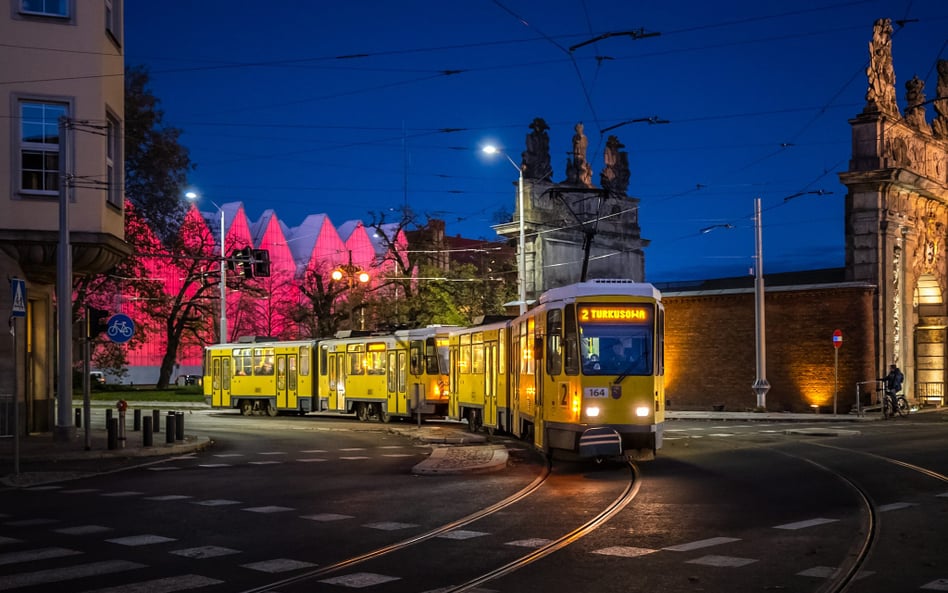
[{"x": 120, "y": 328}]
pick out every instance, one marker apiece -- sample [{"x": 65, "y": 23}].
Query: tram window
[
  {"x": 216, "y": 373},
  {"x": 417, "y": 355},
  {"x": 243, "y": 362},
  {"x": 291, "y": 373},
  {"x": 263, "y": 361},
  {"x": 571, "y": 360},
  {"x": 477, "y": 358},
  {"x": 432, "y": 366},
  {"x": 554, "y": 343},
  {"x": 356, "y": 363},
  {"x": 323, "y": 360},
  {"x": 304, "y": 360},
  {"x": 225, "y": 373},
  {"x": 464, "y": 354},
  {"x": 375, "y": 362},
  {"x": 660, "y": 349},
  {"x": 402, "y": 376},
  {"x": 392, "y": 370},
  {"x": 502, "y": 351}
]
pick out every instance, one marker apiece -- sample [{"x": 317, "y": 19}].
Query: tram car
[
  {"x": 582, "y": 373},
  {"x": 260, "y": 377},
  {"x": 372, "y": 376},
  {"x": 388, "y": 376}
]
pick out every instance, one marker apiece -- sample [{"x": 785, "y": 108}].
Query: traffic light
[
  {"x": 243, "y": 258},
  {"x": 97, "y": 321},
  {"x": 261, "y": 263}
]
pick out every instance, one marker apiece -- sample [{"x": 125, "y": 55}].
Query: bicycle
[{"x": 901, "y": 405}]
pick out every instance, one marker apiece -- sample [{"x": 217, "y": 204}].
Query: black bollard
[
  {"x": 137, "y": 421},
  {"x": 146, "y": 432},
  {"x": 179, "y": 426},
  {"x": 108, "y": 417},
  {"x": 169, "y": 428},
  {"x": 156, "y": 420},
  {"x": 112, "y": 428},
  {"x": 78, "y": 417}
]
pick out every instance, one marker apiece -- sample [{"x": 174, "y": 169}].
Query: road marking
[
  {"x": 389, "y": 525},
  {"x": 213, "y": 465},
  {"x": 217, "y": 502},
  {"x": 164, "y": 468},
  {"x": 81, "y": 491},
  {"x": 352, "y": 449},
  {"x": 169, "y": 497},
  {"x": 165, "y": 585},
  {"x": 39, "y": 488},
  {"x": 936, "y": 585},
  {"x": 895, "y": 506},
  {"x": 57, "y": 575},
  {"x": 313, "y": 451},
  {"x": 272, "y": 453},
  {"x": 399, "y": 454},
  {"x": 819, "y": 572},
  {"x": 141, "y": 540},
  {"x": 33, "y": 555},
  {"x": 534, "y": 542},
  {"x": 462, "y": 534},
  {"x": 703, "y": 543},
  {"x": 352, "y": 458},
  {"x": 625, "y": 551},
  {"x": 360, "y": 579},
  {"x": 202, "y": 552},
  {"x": 229, "y": 455},
  {"x": 278, "y": 565},
  {"x": 311, "y": 460},
  {"x": 9, "y": 540},
  {"x": 82, "y": 529},
  {"x": 805, "y": 524},
  {"x": 264, "y": 462},
  {"x": 123, "y": 493},
  {"x": 723, "y": 561},
  {"x": 268, "y": 509},
  {"x": 327, "y": 517}
]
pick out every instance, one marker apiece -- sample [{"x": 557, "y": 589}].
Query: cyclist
[{"x": 892, "y": 384}]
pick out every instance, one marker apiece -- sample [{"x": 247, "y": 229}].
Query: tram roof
[{"x": 601, "y": 287}]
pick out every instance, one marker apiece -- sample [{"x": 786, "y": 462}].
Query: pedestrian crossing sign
[{"x": 18, "y": 288}]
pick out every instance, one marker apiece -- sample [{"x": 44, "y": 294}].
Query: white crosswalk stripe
[
  {"x": 166, "y": 585},
  {"x": 68, "y": 573}
]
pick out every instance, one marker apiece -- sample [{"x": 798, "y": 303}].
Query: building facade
[{"x": 61, "y": 159}]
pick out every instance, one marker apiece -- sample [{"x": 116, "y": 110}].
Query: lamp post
[
  {"x": 223, "y": 271},
  {"x": 522, "y": 260},
  {"x": 352, "y": 274},
  {"x": 761, "y": 386}
]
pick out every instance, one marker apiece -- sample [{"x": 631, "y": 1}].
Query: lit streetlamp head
[{"x": 191, "y": 195}]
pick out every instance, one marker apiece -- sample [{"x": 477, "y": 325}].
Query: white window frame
[
  {"x": 45, "y": 148},
  {"x": 65, "y": 12},
  {"x": 113, "y": 160},
  {"x": 114, "y": 19}
]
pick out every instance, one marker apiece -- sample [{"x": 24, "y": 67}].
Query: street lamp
[
  {"x": 191, "y": 195},
  {"x": 352, "y": 274},
  {"x": 522, "y": 262}
]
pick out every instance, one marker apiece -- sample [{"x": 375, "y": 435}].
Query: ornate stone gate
[{"x": 897, "y": 217}]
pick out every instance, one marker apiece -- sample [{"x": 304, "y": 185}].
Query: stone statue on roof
[
  {"x": 940, "y": 124},
  {"x": 578, "y": 171},
  {"x": 914, "y": 104},
  {"x": 615, "y": 175},
  {"x": 535, "y": 160},
  {"x": 880, "y": 97}
]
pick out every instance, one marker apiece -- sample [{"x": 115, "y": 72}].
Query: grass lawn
[{"x": 113, "y": 393}]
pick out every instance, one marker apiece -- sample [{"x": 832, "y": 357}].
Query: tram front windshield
[{"x": 617, "y": 346}]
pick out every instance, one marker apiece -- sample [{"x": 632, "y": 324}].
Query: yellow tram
[{"x": 582, "y": 372}]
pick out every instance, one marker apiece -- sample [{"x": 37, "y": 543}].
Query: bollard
[
  {"x": 108, "y": 417},
  {"x": 169, "y": 428},
  {"x": 137, "y": 420},
  {"x": 179, "y": 426},
  {"x": 78, "y": 417},
  {"x": 146, "y": 432},
  {"x": 156, "y": 420},
  {"x": 112, "y": 428},
  {"x": 121, "y": 405}
]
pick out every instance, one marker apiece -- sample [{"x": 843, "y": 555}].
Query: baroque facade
[{"x": 897, "y": 217}]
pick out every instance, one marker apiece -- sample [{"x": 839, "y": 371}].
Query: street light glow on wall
[
  {"x": 191, "y": 195},
  {"x": 522, "y": 260}
]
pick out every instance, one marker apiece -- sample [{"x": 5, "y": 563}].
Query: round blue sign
[{"x": 120, "y": 328}]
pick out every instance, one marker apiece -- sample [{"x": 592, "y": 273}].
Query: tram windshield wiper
[{"x": 633, "y": 364}]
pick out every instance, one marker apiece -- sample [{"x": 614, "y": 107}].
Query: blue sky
[{"x": 353, "y": 108}]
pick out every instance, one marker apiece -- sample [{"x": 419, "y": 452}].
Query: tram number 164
[{"x": 596, "y": 392}]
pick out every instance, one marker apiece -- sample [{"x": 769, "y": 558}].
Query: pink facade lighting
[{"x": 191, "y": 195}]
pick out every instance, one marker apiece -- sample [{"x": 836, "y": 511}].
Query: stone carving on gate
[{"x": 881, "y": 93}]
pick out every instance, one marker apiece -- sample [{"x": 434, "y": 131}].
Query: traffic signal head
[
  {"x": 97, "y": 321},
  {"x": 244, "y": 258},
  {"x": 261, "y": 263}
]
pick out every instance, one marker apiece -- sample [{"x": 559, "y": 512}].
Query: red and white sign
[{"x": 837, "y": 339}]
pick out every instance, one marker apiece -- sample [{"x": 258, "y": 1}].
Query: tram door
[
  {"x": 490, "y": 384},
  {"x": 337, "y": 390},
  {"x": 220, "y": 381},
  {"x": 285, "y": 383}
]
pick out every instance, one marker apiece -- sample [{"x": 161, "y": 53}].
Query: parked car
[
  {"x": 97, "y": 378},
  {"x": 189, "y": 380}
]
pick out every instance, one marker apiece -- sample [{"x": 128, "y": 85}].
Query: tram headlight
[
  {"x": 642, "y": 411},
  {"x": 592, "y": 411}
]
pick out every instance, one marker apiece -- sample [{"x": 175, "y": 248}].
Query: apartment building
[{"x": 61, "y": 143}]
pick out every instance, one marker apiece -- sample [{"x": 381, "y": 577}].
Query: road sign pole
[{"x": 835, "y": 377}]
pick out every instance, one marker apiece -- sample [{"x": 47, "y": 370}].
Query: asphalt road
[{"x": 319, "y": 504}]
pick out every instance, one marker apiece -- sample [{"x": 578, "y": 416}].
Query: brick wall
[{"x": 710, "y": 348}]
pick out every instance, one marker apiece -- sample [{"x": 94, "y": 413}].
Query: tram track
[
  {"x": 628, "y": 493},
  {"x": 518, "y": 496}
]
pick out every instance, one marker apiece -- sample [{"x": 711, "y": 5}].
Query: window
[
  {"x": 113, "y": 19},
  {"x": 113, "y": 162},
  {"x": 39, "y": 147},
  {"x": 45, "y": 7}
]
